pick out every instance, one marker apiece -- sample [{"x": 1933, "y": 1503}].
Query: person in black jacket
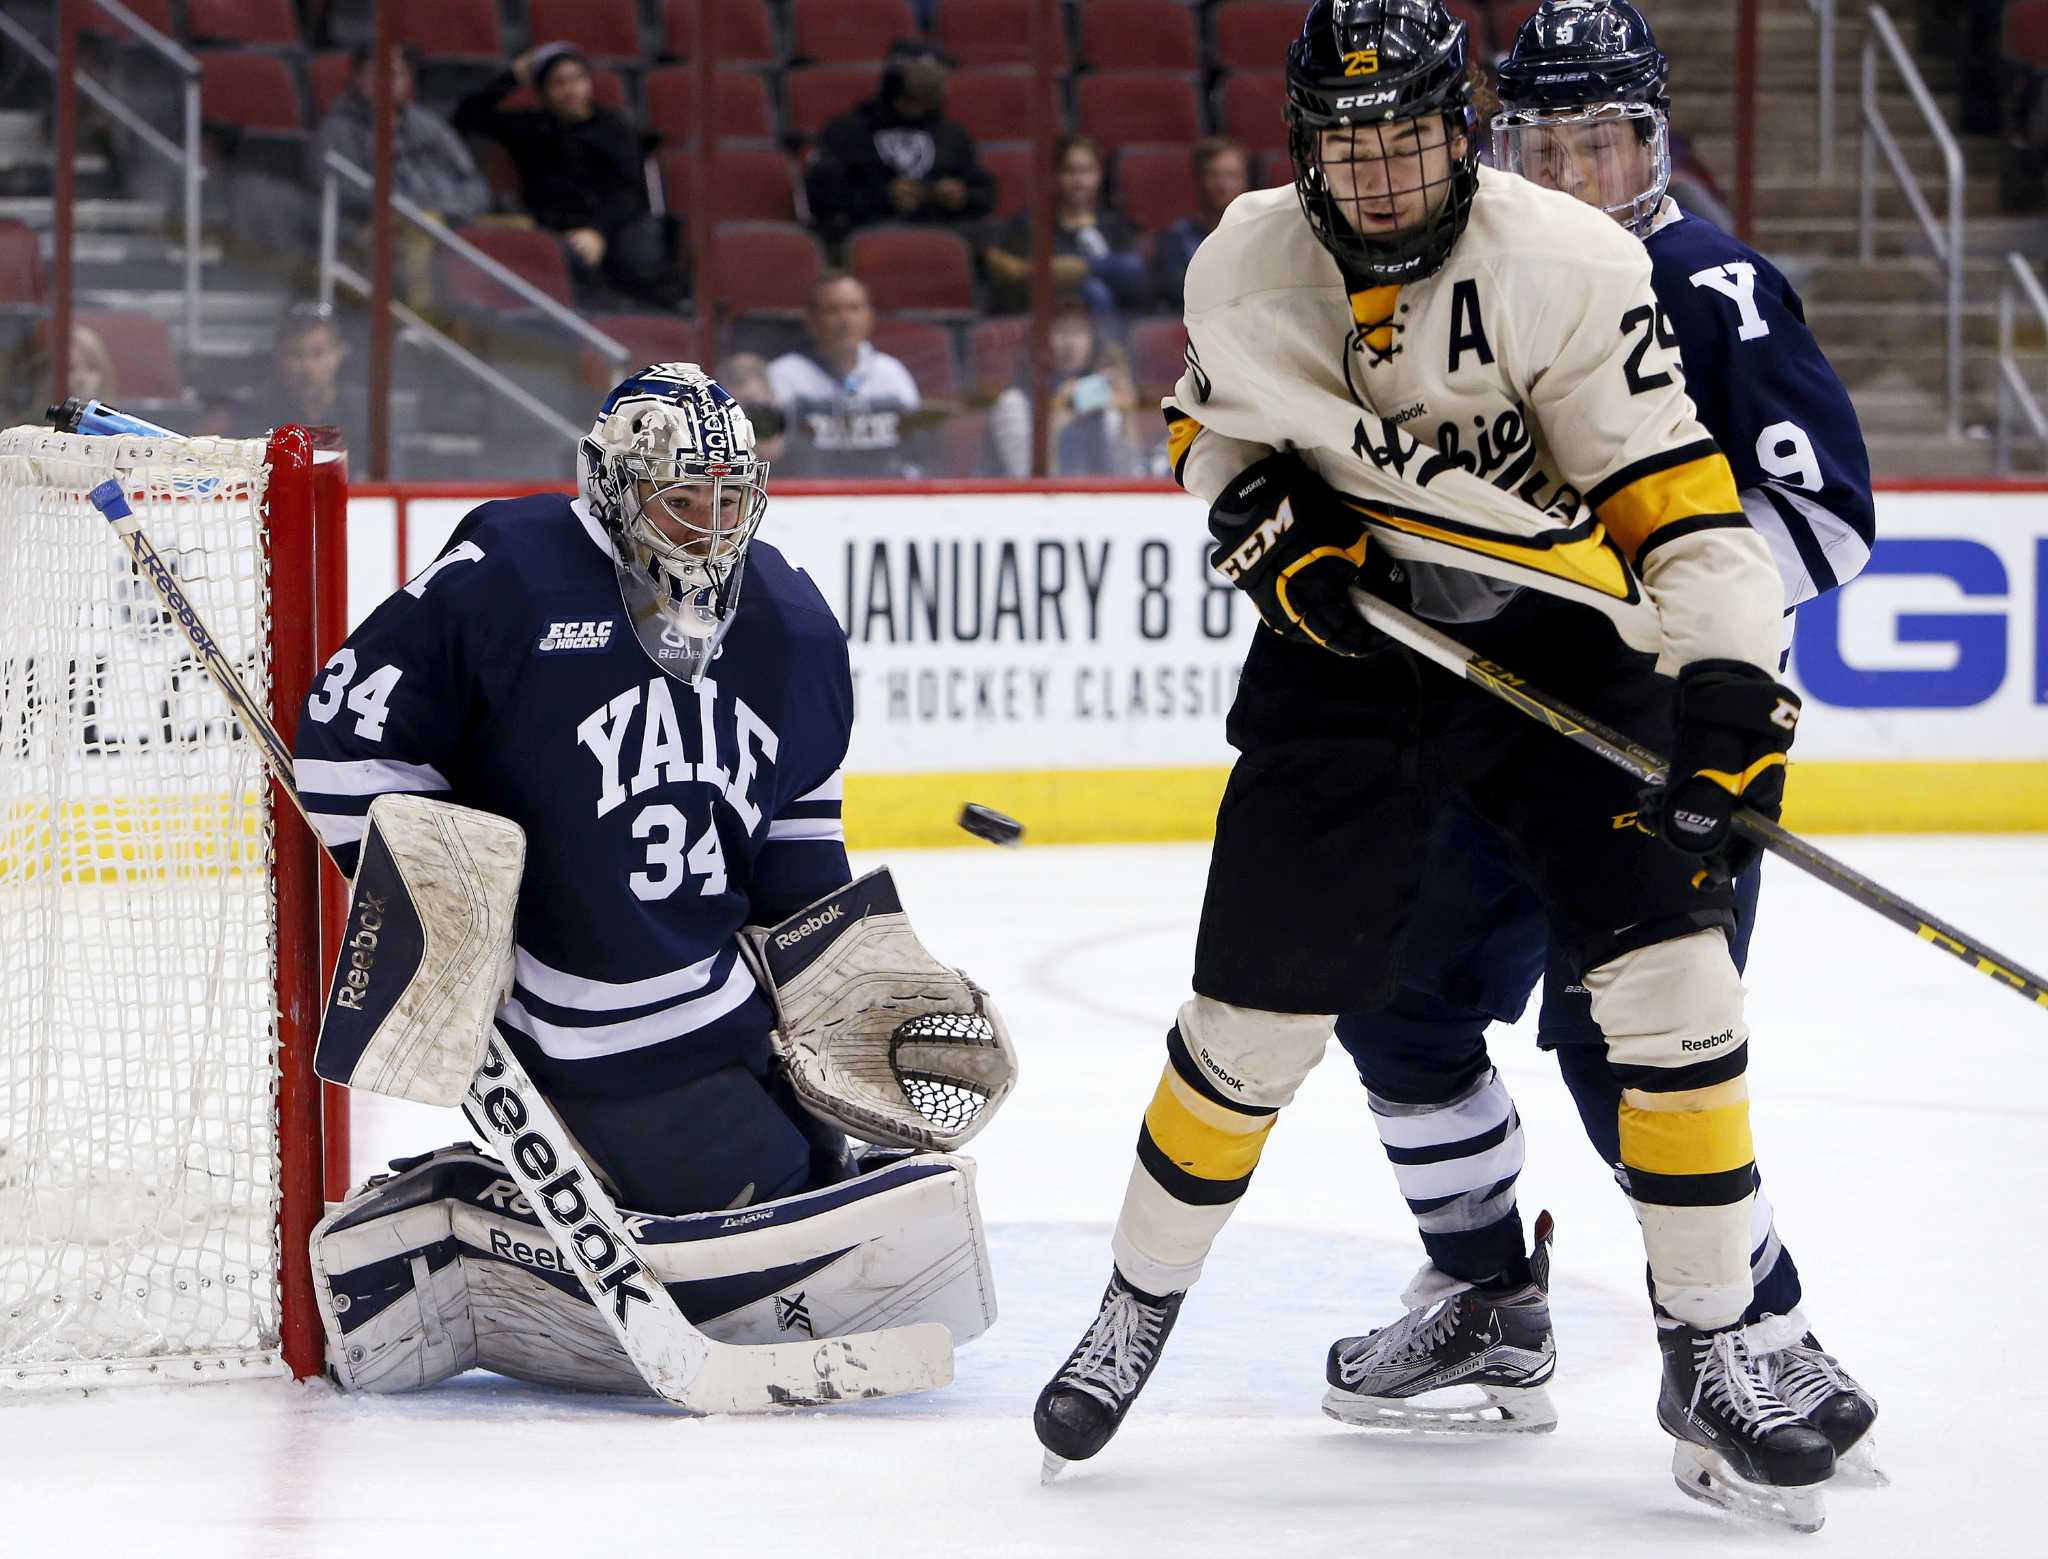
[
  {"x": 896, "y": 158},
  {"x": 580, "y": 173}
]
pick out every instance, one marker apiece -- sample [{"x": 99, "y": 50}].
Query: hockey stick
[
  {"x": 1648, "y": 767},
  {"x": 679, "y": 1363}
]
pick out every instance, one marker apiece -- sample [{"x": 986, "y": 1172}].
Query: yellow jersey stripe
[
  {"x": 1635, "y": 513},
  {"x": 1589, "y": 560},
  {"x": 1181, "y": 433}
]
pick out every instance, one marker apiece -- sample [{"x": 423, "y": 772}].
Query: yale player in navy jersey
[
  {"x": 1583, "y": 110},
  {"x": 663, "y": 704}
]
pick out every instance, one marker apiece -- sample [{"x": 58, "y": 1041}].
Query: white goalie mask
[{"x": 668, "y": 470}]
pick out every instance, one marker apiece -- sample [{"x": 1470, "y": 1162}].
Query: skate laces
[
  {"x": 1807, "y": 1375},
  {"x": 1409, "y": 1340},
  {"x": 1726, "y": 1374},
  {"x": 1111, "y": 1361}
]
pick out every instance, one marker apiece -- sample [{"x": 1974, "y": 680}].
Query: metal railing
[
  {"x": 333, "y": 270},
  {"x": 1877, "y": 136},
  {"x": 187, "y": 157},
  {"x": 1824, "y": 21},
  {"x": 2013, "y": 389}
]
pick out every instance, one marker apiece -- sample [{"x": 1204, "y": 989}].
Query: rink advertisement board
[{"x": 1069, "y": 657}]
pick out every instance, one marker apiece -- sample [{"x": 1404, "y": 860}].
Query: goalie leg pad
[{"x": 443, "y": 1267}]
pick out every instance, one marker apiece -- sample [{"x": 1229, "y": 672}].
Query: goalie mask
[
  {"x": 1585, "y": 108},
  {"x": 669, "y": 471}
]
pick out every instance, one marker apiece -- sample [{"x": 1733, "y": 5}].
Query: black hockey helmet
[
  {"x": 1578, "y": 64},
  {"x": 1360, "y": 64}
]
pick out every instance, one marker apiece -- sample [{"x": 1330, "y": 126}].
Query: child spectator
[{"x": 1094, "y": 405}]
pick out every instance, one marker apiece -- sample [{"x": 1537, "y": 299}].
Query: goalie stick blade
[{"x": 892, "y": 1363}]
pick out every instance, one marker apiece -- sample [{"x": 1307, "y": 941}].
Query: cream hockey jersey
[{"x": 1519, "y": 418}]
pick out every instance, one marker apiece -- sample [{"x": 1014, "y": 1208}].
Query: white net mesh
[{"x": 138, "y": 1141}]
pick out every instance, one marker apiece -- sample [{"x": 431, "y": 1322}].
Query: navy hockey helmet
[
  {"x": 1368, "y": 83},
  {"x": 669, "y": 471},
  {"x": 1585, "y": 108}
]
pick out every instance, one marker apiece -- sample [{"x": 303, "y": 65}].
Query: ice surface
[{"x": 1900, "y": 1110}]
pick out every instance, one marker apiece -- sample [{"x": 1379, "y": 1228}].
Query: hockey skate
[
  {"x": 1417, "y": 1376},
  {"x": 1740, "y": 1445},
  {"x": 1083, "y": 1405},
  {"x": 1815, "y": 1386}
]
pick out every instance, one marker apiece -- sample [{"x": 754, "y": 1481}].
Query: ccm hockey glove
[
  {"x": 1288, "y": 541},
  {"x": 1735, "y": 724}
]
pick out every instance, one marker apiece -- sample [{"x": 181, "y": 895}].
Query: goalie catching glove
[
  {"x": 878, "y": 1037},
  {"x": 1735, "y": 725},
  {"x": 1288, "y": 540}
]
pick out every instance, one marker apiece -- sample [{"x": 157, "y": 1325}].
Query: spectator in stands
[
  {"x": 32, "y": 375},
  {"x": 1222, "y": 172},
  {"x": 430, "y": 165},
  {"x": 306, "y": 383},
  {"x": 580, "y": 174},
  {"x": 1095, "y": 252},
  {"x": 897, "y": 158},
  {"x": 1094, "y": 406},
  {"x": 847, "y": 406},
  {"x": 745, "y": 377}
]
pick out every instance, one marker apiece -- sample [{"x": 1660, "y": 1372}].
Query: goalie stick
[
  {"x": 1648, "y": 767},
  {"x": 680, "y": 1364}
]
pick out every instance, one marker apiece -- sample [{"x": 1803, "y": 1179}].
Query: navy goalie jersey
[
  {"x": 659, "y": 817},
  {"x": 1767, "y": 393}
]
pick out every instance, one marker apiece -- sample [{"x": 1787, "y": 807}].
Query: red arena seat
[
  {"x": 602, "y": 29},
  {"x": 1011, "y": 164},
  {"x": 745, "y": 111},
  {"x": 1251, "y": 108},
  {"x": 995, "y": 351},
  {"x": 763, "y": 267},
  {"x": 145, "y": 367},
  {"x": 834, "y": 30},
  {"x": 250, "y": 92},
  {"x": 530, "y": 252},
  {"x": 993, "y": 105},
  {"x": 991, "y": 32},
  {"x": 748, "y": 183},
  {"x": 926, "y": 269},
  {"x": 822, "y": 93},
  {"x": 452, "y": 29},
  {"x": 1158, "y": 354},
  {"x": 1156, "y": 185},
  {"x": 21, "y": 266},
  {"x": 926, "y": 349},
  {"x": 268, "y": 22},
  {"x": 1139, "y": 35},
  {"x": 746, "y": 32},
  {"x": 1253, "y": 34},
  {"x": 1119, "y": 107}
]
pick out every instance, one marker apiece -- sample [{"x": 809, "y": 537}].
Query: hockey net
[{"x": 152, "y": 927}]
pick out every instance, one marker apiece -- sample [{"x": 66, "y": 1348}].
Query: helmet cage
[
  {"x": 1365, "y": 68},
  {"x": 1564, "y": 149}
]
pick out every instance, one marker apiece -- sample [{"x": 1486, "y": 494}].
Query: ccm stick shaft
[{"x": 1434, "y": 645}]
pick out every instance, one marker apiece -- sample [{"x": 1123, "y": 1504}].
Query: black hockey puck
[{"x": 987, "y": 823}]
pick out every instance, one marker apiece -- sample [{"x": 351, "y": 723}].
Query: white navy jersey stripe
[{"x": 661, "y": 816}]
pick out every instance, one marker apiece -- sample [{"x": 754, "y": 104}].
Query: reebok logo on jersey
[
  {"x": 570, "y": 636},
  {"x": 1711, "y": 1042},
  {"x": 830, "y": 915}
]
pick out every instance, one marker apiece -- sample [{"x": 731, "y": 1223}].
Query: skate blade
[
  {"x": 1705, "y": 1475},
  {"x": 1050, "y": 1468},
  {"x": 1857, "y": 1467},
  {"x": 1504, "y": 1410}
]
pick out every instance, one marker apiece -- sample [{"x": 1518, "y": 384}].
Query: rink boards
[{"x": 1066, "y": 655}]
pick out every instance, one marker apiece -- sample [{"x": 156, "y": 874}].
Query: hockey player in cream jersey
[{"x": 1445, "y": 384}]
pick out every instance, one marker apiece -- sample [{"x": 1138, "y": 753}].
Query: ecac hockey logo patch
[{"x": 573, "y": 636}]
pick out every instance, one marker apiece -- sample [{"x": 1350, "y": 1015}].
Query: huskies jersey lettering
[
  {"x": 660, "y": 817},
  {"x": 1525, "y": 406},
  {"x": 1772, "y": 401}
]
